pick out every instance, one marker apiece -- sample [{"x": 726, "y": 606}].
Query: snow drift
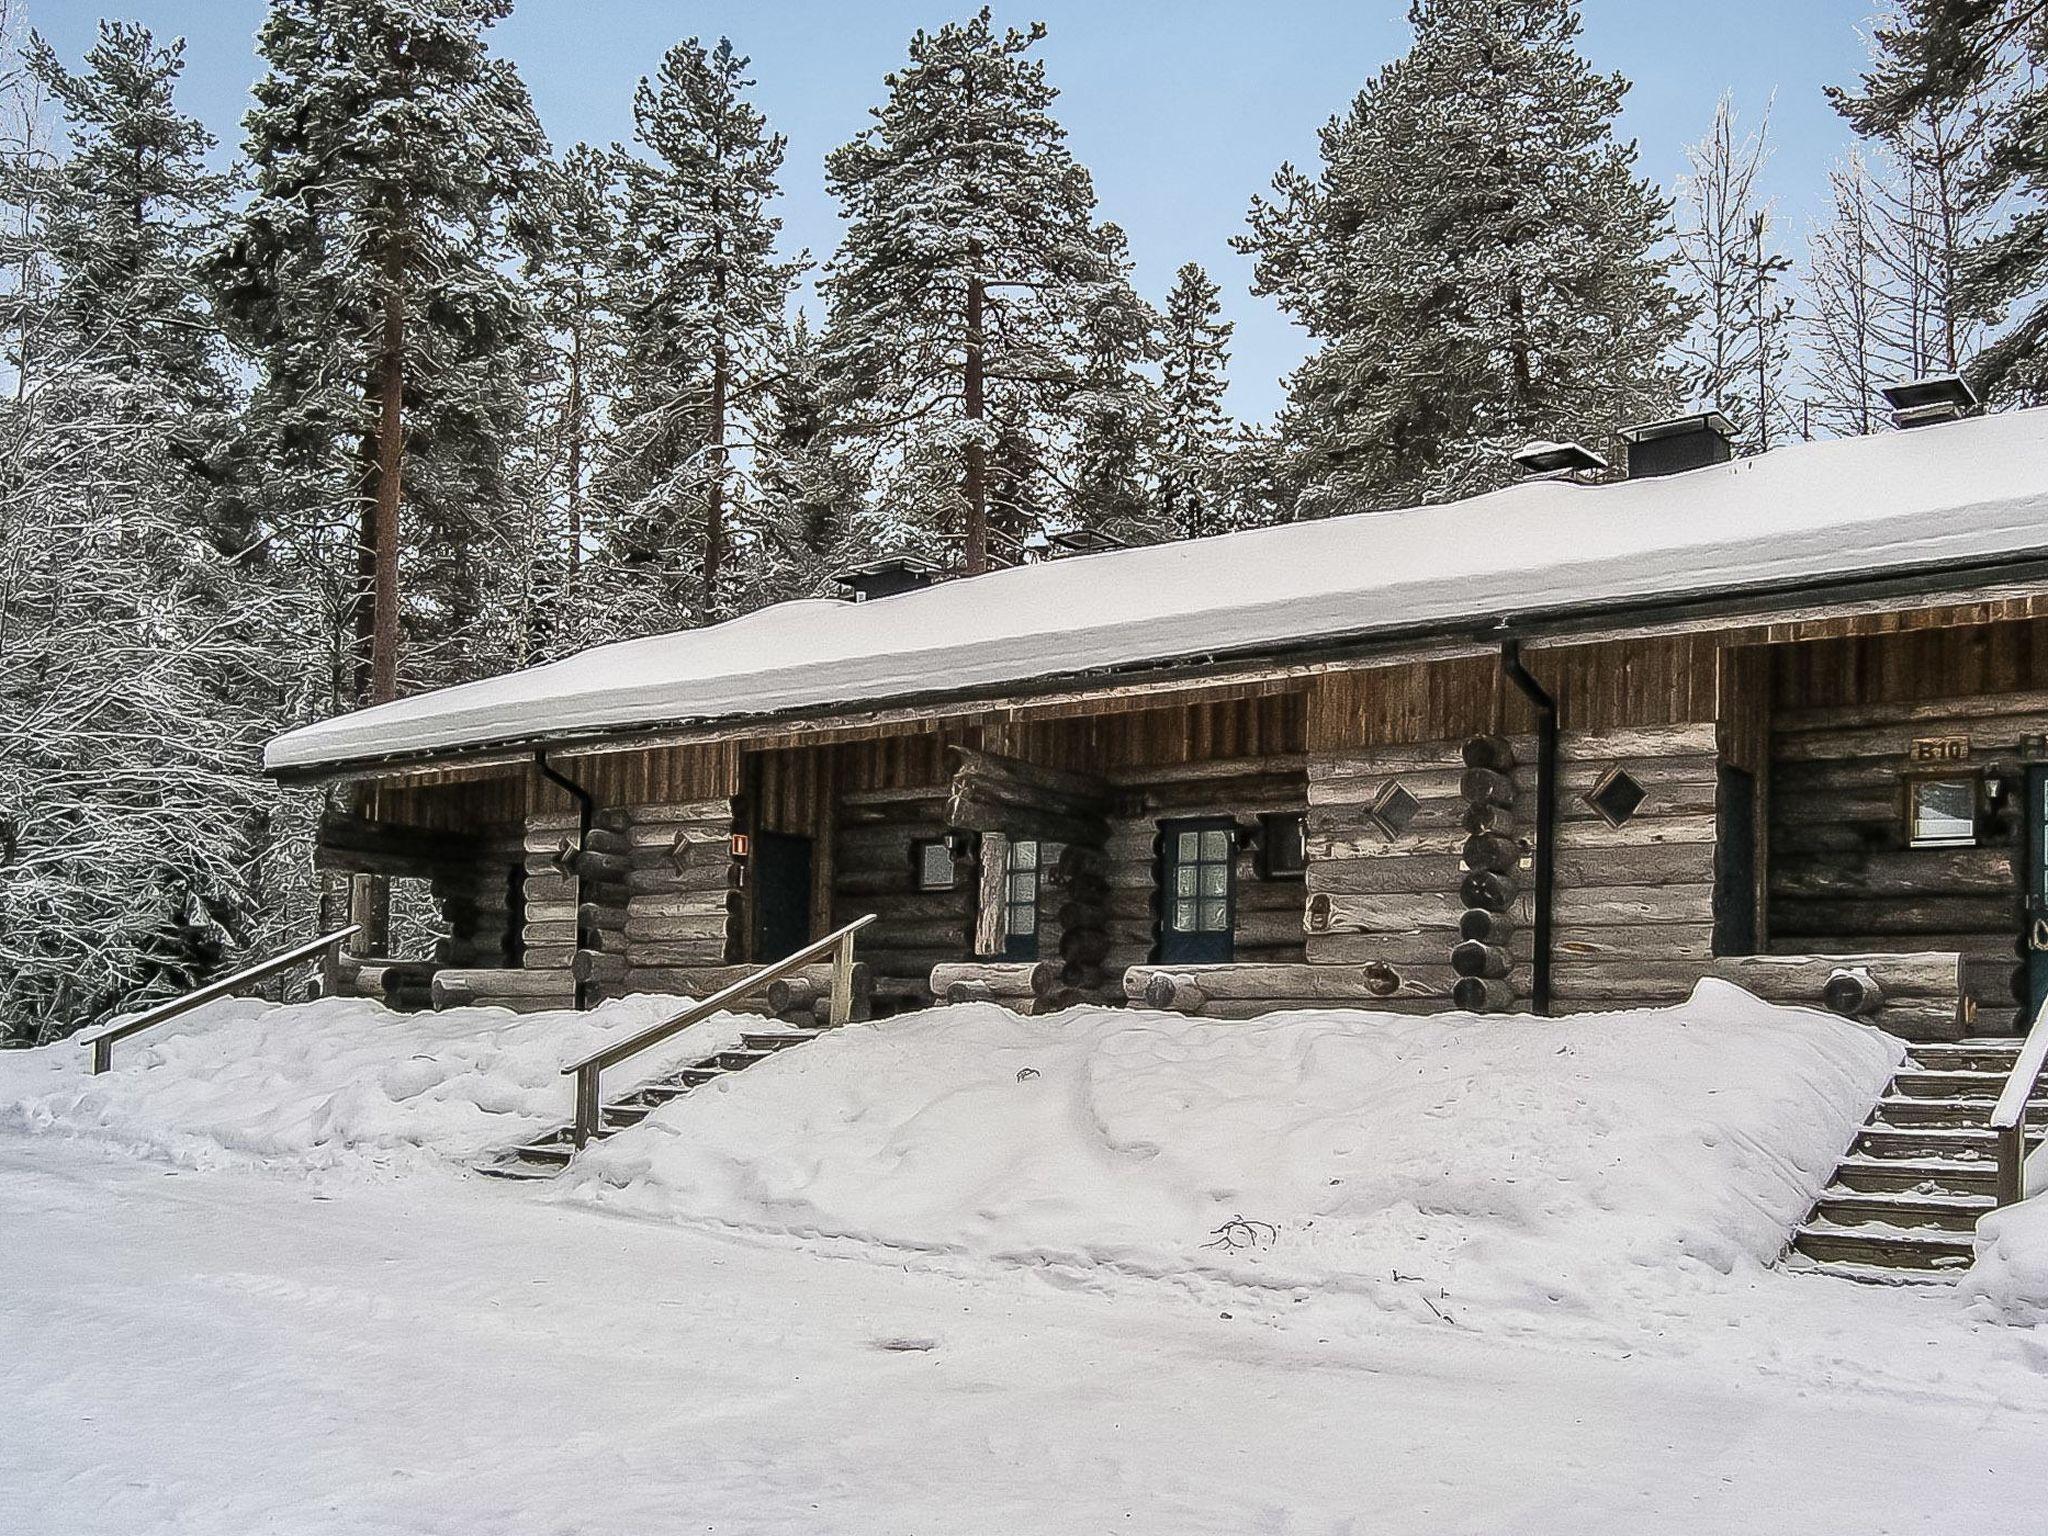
[
  {"x": 339, "y": 1081},
  {"x": 1527, "y": 1163},
  {"x": 2010, "y": 1277}
]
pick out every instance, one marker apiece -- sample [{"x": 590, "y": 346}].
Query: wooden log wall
[
  {"x": 1634, "y": 907},
  {"x": 679, "y": 906},
  {"x": 1842, "y": 876},
  {"x": 650, "y": 892},
  {"x": 1448, "y": 896},
  {"x": 873, "y": 871},
  {"x": 484, "y": 904},
  {"x": 1269, "y": 929},
  {"x": 1393, "y": 901}
]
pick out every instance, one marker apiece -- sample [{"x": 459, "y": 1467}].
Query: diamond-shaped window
[
  {"x": 1394, "y": 808},
  {"x": 1617, "y": 797}
]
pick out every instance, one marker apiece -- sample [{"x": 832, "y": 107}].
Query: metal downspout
[
  {"x": 1544, "y": 875},
  {"x": 586, "y": 808}
]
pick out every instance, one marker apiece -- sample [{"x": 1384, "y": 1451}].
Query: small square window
[
  {"x": 1394, "y": 808},
  {"x": 1617, "y": 797},
  {"x": 1941, "y": 813},
  {"x": 1283, "y": 845},
  {"x": 932, "y": 860}
]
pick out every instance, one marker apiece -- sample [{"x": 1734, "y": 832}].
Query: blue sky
[{"x": 1182, "y": 110}]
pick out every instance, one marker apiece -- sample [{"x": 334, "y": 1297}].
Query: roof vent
[
  {"x": 1673, "y": 446},
  {"x": 888, "y": 576},
  {"x": 1083, "y": 541},
  {"x": 1923, "y": 402},
  {"x": 1566, "y": 459}
]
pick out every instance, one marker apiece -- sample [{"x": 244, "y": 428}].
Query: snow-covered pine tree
[
  {"x": 127, "y": 211},
  {"x": 1194, "y": 497},
  {"x": 1115, "y": 408},
  {"x": 1477, "y": 258},
  {"x": 1737, "y": 349},
  {"x": 572, "y": 274},
  {"x": 368, "y": 277},
  {"x": 969, "y": 252},
  {"x": 702, "y": 297},
  {"x": 811, "y": 512},
  {"x": 1981, "y": 67},
  {"x": 137, "y": 837}
]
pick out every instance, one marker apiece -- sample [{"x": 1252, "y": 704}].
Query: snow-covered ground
[{"x": 950, "y": 1274}]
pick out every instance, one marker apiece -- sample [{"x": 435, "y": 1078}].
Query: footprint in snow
[{"x": 904, "y": 1345}]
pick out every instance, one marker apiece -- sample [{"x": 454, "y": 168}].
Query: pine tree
[
  {"x": 1194, "y": 497},
  {"x": 970, "y": 256},
  {"x": 703, "y": 302},
  {"x": 811, "y": 504},
  {"x": 368, "y": 279},
  {"x": 138, "y": 841},
  {"x": 127, "y": 211},
  {"x": 1981, "y": 67},
  {"x": 1115, "y": 407},
  {"x": 573, "y": 274},
  {"x": 1478, "y": 260}
]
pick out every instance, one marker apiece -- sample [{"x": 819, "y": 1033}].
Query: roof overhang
[{"x": 1863, "y": 592}]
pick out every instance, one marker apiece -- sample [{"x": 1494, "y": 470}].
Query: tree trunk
[
  {"x": 974, "y": 559},
  {"x": 714, "y": 499},
  {"x": 390, "y": 468}
]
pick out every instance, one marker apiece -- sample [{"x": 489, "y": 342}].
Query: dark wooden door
[
  {"x": 1735, "y": 865},
  {"x": 782, "y": 895},
  {"x": 1197, "y": 891}
]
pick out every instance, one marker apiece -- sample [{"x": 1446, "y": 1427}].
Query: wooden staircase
[
  {"x": 1906, "y": 1198},
  {"x": 548, "y": 1156}
]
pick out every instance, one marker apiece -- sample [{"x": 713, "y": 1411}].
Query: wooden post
[
  {"x": 587, "y": 1109},
  {"x": 2012, "y": 1163},
  {"x": 842, "y": 983},
  {"x": 102, "y": 1055}
]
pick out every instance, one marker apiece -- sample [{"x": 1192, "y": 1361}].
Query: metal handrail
[
  {"x": 103, "y": 1043},
  {"x": 2009, "y": 1116},
  {"x": 586, "y": 1071}
]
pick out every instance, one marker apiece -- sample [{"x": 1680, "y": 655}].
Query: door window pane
[
  {"x": 1215, "y": 845},
  {"x": 1184, "y": 916},
  {"x": 1215, "y": 917},
  {"x": 1190, "y": 847}
]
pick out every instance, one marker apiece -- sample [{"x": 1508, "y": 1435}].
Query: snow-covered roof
[{"x": 1938, "y": 496}]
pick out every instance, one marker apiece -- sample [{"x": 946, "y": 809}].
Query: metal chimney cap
[
  {"x": 1708, "y": 419},
  {"x": 1938, "y": 391},
  {"x": 1083, "y": 541},
  {"x": 888, "y": 576},
  {"x": 1542, "y": 457}
]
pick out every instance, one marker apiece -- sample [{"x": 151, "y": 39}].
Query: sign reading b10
[{"x": 1939, "y": 749}]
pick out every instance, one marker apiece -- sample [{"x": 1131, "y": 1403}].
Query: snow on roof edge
[{"x": 1936, "y": 498}]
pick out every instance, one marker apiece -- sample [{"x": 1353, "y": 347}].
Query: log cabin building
[{"x": 1568, "y": 746}]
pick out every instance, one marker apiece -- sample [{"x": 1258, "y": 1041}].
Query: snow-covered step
[
  {"x": 1947, "y": 1083},
  {"x": 781, "y": 1040},
  {"x": 1865, "y": 1274},
  {"x": 740, "y": 1060},
  {"x": 1954, "y": 1174},
  {"x": 1916, "y": 1209},
  {"x": 1885, "y": 1246},
  {"x": 1900, "y": 1109},
  {"x": 1989, "y": 1055},
  {"x": 1920, "y": 1140}
]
